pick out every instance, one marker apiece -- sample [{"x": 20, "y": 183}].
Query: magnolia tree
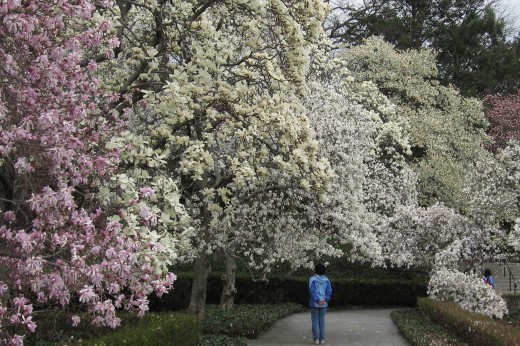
[
  {"x": 509, "y": 158},
  {"x": 450, "y": 246},
  {"x": 76, "y": 232},
  {"x": 502, "y": 112},
  {"x": 291, "y": 225},
  {"x": 468, "y": 291},
  {"x": 492, "y": 188},
  {"x": 446, "y": 130},
  {"x": 216, "y": 90}
]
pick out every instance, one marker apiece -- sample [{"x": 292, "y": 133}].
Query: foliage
[
  {"x": 419, "y": 329},
  {"x": 473, "y": 328},
  {"x": 215, "y": 89},
  {"x": 245, "y": 320},
  {"x": 470, "y": 36},
  {"x": 502, "y": 112},
  {"x": 446, "y": 130},
  {"x": 221, "y": 340},
  {"x": 165, "y": 328},
  {"x": 513, "y": 303},
  {"x": 447, "y": 243},
  {"x": 431, "y": 237},
  {"x": 54, "y": 328},
  {"x": 283, "y": 289},
  {"x": 468, "y": 291},
  {"x": 63, "y": 242}
]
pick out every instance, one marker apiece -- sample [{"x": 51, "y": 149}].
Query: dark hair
[
  {"x": 487, "y": 272},
  {"x": 319, "y": 269}
]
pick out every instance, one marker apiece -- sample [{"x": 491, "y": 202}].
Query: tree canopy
[{"x": 469, "y": 36}]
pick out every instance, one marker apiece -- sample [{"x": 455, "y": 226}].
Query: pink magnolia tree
[
  {"x": 503, "y": 113},
  {"x": 61, "y": 245}
]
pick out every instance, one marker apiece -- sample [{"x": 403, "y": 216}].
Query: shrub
[
  {"x": 474, "y": 328},
  {"x": 163, "y": 329},
  {"x": 513, "y": 302},
  {"x": 55, "y": 328},
  {"x": 245, "y": 320},
  {"x": 222, "y": 340},
  {"x": 467, "y": 290},
  {"x": 419, "y": 330},
  {"x": 367, "y": 292}
]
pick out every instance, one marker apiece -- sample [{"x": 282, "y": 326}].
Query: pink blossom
[
  {"x": 502, "y": 112},
  {"x": 19, "y": 302},
  {"x": 105, "y": 26},
  {"x": 87, "y": 294},
  {"x": 113, "y": 43},
  {"x": 23, "y": 166},
  {"x": 29, "y": 323},
  {"x": 98, "y": 321},
  {"x": 147, "y": 192},
  {"x": 17, "y": 340},
  {"x": 54, "y": 129},
  {"x": 9, "y": 216},
  {"x": 75, "y": 320},
  {"x": 15, "y": 319},
  {"x": 3, "y": 288}
]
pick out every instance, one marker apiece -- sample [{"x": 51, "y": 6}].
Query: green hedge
[
  {"x": 474, "y": 328},
  {"x": 513, "y": 302},
  {"x": 245, "y": 320},
  {"x": 419, "y": 330},
  {"x": 346, "y": 292},
  {"x": 222, "y": 340},
  {"x": 154, "y": 329}
]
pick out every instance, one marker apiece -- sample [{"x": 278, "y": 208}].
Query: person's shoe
[
  {"x": 316, "y": 342},
  {"x": 322, "y": 342}
]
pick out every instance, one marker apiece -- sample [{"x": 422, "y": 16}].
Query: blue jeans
[{"x": 318, "y": 323}]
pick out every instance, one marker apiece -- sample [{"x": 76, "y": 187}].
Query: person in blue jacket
[
  {"x": 321, "y": 290},
  {"x": 488, "y": 278}
]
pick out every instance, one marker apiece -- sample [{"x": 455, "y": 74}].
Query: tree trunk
[
  {"x": 228, "y": 286},
  {"x": 198, "y": 288}
]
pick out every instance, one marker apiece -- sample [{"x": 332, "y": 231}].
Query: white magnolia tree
[
  {"x": 450, "y": 246},
  {"x": 291, "y": 225},
  {"x": 447, "y": 139},
  {"x": 468, "y": 291},
  {"x": 215, "y": 88}
]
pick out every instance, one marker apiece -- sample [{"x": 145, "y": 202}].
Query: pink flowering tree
[
  {"x": 64, "y": 243},
  {"x": 503, "y": 113}
]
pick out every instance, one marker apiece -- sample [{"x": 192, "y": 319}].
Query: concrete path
[{"x": 368, "y": 327}]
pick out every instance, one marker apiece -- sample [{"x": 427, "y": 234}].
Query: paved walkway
[{"x": 368, "y": 327}]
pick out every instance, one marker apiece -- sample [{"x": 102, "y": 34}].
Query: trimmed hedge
[
  {"x": 245, "y": 320},
  {"x": 222, "y": 340},
  {"x": 154, "y": 329},
  {"x": 474, "y": 328},
  {"x": 513, "y": 302},
  {"x": 419, "y": 330},
  {"x": 346, "y": 292}
]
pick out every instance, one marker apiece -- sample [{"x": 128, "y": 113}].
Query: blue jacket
[
  {"x": 320, "y": 288},
  {"x": 489, "y": 280}
]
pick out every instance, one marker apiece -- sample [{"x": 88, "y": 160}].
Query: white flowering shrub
[{"x": 468, "y": 291}]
